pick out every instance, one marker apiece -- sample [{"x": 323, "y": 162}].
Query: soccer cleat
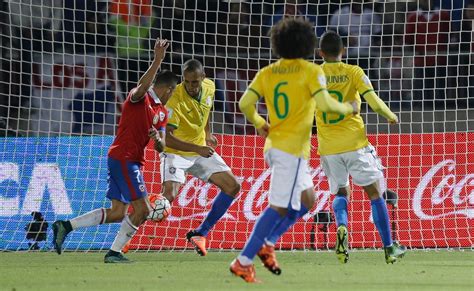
[
  {"x": 115, "y": 258},
  {"x": 394, "y": 252},
  {"x": 198, "y": 241},
  {"x": 245, "y": 272},
  {"x": 341, "y": 244},
  {"x": 268, "y": 257},
  {"x": 59, "y": 235}
]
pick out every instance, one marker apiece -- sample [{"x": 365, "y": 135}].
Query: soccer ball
[{"x": 160, "y": 208}]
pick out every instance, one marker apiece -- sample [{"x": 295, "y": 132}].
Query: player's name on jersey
[
  {"x": 285, "y": 70},
  {"x": 337, "y": 79}
]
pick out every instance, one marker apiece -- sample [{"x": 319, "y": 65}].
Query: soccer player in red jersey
[{"x": 144, "y": 117}]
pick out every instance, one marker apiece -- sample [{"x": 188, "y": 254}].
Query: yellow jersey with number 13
[
  {"x": 288, "y": 87},
  {"x": 189, "y": 115},
  {"x": 342, "y": 133}
]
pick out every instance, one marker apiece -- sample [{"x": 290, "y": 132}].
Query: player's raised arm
[{"x": 147, "y": 79}]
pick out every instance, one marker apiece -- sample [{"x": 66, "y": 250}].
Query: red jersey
[
  {"x": 137, "y": 118},
  {"x": 429, "y": 32}
]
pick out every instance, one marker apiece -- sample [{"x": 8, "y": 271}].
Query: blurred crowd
[{"x": 419, "y": 54}]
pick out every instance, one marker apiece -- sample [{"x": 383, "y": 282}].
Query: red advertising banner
[{"x": 433, "y": 175}]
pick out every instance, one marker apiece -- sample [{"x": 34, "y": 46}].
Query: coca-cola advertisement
[{"x": 433, "y": 175}]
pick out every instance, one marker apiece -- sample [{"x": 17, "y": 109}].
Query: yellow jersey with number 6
[
  {"x": 288, "y": 87},
  {"x": 342, "y": 133},
  {"x": 189, "y": 115}
]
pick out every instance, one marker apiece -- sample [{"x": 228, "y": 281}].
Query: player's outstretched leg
[
  {"x": 198, "y": 241},
  {"x": 245, "y": 272},
  {"x": 394, "y": 252},
  {"x": 61, "y": 229},
  {"x": 341, "y": 244},
  {"x": 268, "y": 257}
]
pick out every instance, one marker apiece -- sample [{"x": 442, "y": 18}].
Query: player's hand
[
  {"x": 153, "y": 134},
  {"x": 160, "y": 48},
  {"x": 355, "y": 107},
  {"x": 263, "y": 131},
  {"x": 393, "y": 121},
  {"x": 205, "y": 151},
  {"x": 211, "y": 140}
]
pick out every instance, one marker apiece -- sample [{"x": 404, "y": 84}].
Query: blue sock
[
  {"x": 380, "y": 216},
  {"x": 264, "y": 225},
  {"x": 219, "y": 208},
  {"x": 339, "y": 206},
  {"x": 288, "y": 221}
]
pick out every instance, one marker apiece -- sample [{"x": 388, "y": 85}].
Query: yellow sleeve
[
  {"x": 247, "y": 106},
  {"x": 173, "y": 111},
  {"x": 362, "y": 82},
  {"x": 378, "y": 105},
  {"x": 250, "y": 98},
  {"x": 325, "y": 103}
]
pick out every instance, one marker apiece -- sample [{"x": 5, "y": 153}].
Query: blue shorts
[{"x": 125, "y": 181}]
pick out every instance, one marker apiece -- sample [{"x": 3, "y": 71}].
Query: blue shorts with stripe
[{"x": 125, "y": 181}]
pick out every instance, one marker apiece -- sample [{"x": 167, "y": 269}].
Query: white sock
[
  {"x": 91, "y": 218},
  {"x": 126, "y": 232},
  {"x": 244, "y": 261},
  {"x": 269, "y": 243}
]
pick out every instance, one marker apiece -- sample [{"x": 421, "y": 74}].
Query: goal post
[{"x": 66, "y": 74}]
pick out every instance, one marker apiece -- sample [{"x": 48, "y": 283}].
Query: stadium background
[{"x": 65, "y": 75}]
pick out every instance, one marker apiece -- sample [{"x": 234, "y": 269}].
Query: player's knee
[
  {"x": 115, "y": 215},
  {"x": 234, "y": 189},
  {"x": 142, "y": 213},
  {"x": 308, "y": 199}
]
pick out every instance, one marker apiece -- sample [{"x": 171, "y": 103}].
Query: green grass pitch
[{"x": 366, "y": 270}]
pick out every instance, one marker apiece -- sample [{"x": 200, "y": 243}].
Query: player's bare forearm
[
  {"x": 178, "y": 144},
  {"x": 147, "y": 79}
]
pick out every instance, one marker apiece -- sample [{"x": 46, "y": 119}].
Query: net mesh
[{"x": 67, "y": 66}]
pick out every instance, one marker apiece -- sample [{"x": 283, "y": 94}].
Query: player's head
[
  {"x": 164, "y": 84},
  {"x": 293, "y": 38},
  {"x": 193, "y": 75},
  {"x": 330, "y": 45}
]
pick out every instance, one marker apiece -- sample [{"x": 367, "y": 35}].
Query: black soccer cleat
[{"x": 60, "y": 231}]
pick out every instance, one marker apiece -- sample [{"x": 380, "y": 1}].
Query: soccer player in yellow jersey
[
  {"x": 292, "y": 88},
  {"x": 345, "y": 150},
  {"x": 190, "y": 148}
]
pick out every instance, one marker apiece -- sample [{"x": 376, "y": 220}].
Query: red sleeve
[{"x": 162, "y": 125}]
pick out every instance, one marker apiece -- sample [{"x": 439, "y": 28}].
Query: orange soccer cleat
[
  {"x": 268, "y": 257},
  {"x": 198, "y": 241},
  {"x": 245, "y": 272}
]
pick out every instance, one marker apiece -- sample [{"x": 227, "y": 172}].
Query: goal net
[{"x": 68, "y": 65}]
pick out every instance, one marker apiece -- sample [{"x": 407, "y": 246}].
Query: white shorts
[
  {"x": 174, "y": 167},
  {"x": 289, "y": 177},
  {"x": 363, "y": 165}
]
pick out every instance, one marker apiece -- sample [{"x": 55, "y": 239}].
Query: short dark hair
[
  {"x": 165, "y": 77},
  {"x": 293, "y": 38},
  {"x": 192, "y": 65},
  {"x": 331, "y": 43}
]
